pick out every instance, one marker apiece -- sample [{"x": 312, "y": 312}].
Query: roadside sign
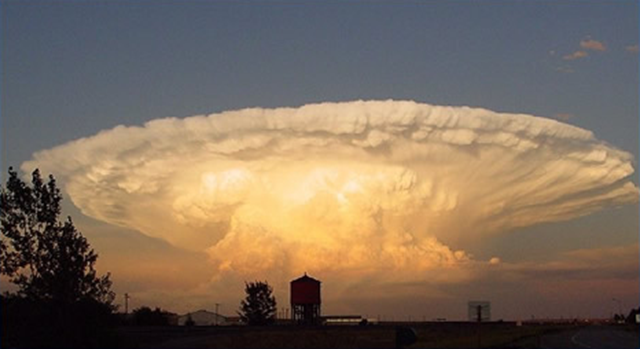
[{"x": 479, "y": 311}]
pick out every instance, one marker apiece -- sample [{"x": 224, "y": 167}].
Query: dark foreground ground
[{"x": 430, "y": 335}]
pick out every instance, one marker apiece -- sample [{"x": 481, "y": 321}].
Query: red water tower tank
[{"x": 305, "y": 300}]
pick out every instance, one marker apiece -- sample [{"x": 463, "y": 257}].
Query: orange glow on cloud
[{"x": 357, "y": 190}]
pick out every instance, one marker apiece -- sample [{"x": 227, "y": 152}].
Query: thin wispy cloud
[
  {"x": 619, "y": 262},
  {"x": 586, "y": 44},
  {"x": 595, "y": 45},
  {"x": 565, "y": 70},
  {"x": 632, "y": 48},
  {"x": 576, "y": 55},
  {"x": 564, "y": 116}
]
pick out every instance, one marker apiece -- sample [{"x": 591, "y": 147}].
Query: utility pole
[
  {"x": 126, "y": 303},
  {"x": 217, "y": 313}
]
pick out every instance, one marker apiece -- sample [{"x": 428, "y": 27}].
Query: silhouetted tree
[
  {"x": 631, "y": 318},
  {"x": 45, "y": 258},
  {"x": 618, "y": 318},
  {"x": 189, "y": 322},
  {"x": 60, "y": 302},
  {"x": 29, "y": 323},
  {"x": 144, "y": 316},
  {"x": 259, "y": 306}
]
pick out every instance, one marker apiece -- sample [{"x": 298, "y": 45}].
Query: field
[{"x": 430, "y": 335}]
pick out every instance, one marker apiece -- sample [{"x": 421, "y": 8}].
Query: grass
[
  {"x": 480, "y": 336},
  {"x": 430, "y": 335}
]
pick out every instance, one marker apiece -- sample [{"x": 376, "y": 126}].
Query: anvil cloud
[{"x": 376, "y": 188}]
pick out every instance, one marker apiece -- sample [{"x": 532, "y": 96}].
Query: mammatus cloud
[
  {"x": 360, "y": 190},
  {"x": 590, "y": 44},
  {"x": 576, "y": 55}
]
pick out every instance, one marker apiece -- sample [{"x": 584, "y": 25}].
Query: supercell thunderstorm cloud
[{"x": 360, "y": 189}]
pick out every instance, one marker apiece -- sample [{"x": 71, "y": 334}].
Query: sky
[{"x": 78, "y": 70}]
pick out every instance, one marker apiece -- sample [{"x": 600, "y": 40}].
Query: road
[{"x": 596, "y": 337}]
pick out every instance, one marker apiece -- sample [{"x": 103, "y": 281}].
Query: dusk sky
[{"x": 411, "y": 155}]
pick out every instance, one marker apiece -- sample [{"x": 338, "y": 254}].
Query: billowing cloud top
[{"x": 364, "y": 186}]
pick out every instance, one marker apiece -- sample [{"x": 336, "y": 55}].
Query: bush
[{"x": 29, "y": 323}]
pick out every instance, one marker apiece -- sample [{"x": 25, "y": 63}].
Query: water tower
[{"x": 305, "y": 300}]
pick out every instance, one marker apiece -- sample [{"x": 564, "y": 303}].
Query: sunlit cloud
[
  {"x": 561, "y": 282},
  {"x": 361, "y": 191},
  {"x": 590, "y": 44},
  {"x": 576, "y": 55}
]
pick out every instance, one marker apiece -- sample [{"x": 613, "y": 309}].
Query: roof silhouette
[{"x": 305, "y": 278}]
